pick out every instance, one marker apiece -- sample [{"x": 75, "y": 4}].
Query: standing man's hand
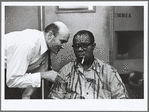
[{"x": 49, "y": 75}]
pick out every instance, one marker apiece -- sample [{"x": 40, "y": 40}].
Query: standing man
[
  {"x": 26, "y": 57},
  {"x": 87, "y": 77}
]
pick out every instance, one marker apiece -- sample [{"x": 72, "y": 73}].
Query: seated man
[{"x": 87, "y": 77}]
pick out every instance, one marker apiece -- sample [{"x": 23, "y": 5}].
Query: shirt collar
[
  {"x": 44, "y": 47},
  {"x": 95, "y": 65}
]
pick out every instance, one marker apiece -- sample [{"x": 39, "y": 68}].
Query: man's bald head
[
  {"x": 56, "y": 28},
  {"x": 56, "y": 34}
]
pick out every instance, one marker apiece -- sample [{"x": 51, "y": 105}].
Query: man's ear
[
  {"x": 94, "y": 44},
  {"x": 50, "y": 35}
]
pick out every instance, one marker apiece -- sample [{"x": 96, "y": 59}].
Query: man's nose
[{"x": 80, "y": 48}]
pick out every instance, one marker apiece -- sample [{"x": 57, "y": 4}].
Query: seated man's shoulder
[
  {"x": 105, "y": 64},
  {"x": 101, "y": 62},
  {"x": 69, "y": 65}
]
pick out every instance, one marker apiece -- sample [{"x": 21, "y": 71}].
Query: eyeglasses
[{"x": 84, "y": 46}]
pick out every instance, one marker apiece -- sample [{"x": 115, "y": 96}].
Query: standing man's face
[
  {"x": 55, "y": 43},
  {"x": 83, "y": 46}
]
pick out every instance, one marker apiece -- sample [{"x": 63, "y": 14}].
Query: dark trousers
[
  {"x": 16, "y": 93},
  {"x": 12, "y": 93}
]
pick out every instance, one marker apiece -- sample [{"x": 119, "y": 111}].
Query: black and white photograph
[{"x": 74, "y": 56}]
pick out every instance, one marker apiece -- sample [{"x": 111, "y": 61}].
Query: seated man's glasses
[{"x": 84, "y": 46}]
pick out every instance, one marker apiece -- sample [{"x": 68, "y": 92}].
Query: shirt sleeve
[
  {"x": 65, "y": 70},
  {"x": 18, "y": 58},
  {"x": 117, "y": 87}
]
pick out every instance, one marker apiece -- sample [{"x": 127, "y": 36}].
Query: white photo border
[{"x": 77, "y": 105}]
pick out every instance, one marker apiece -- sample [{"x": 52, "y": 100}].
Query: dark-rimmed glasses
[{"x": 84, "y": 46}]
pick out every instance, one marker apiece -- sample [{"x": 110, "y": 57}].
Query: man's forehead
[
  {"x": 65, "y": 37},
  {"x": 82, "y": 38}
]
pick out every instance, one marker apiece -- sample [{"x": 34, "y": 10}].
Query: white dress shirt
[{"x": 24, "y": 52}]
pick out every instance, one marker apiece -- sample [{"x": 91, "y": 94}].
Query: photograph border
[{"x": 77, "y": 105}]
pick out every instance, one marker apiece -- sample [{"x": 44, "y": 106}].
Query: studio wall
[{"x": 18, "y": 18}]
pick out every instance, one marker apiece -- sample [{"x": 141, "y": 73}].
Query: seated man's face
[{"x": 83, "y": 46}]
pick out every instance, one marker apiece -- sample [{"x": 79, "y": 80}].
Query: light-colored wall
[
  {"x": 18, "y": 18},
  {"x": 98, "y": 23}
]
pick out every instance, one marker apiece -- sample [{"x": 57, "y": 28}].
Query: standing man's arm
[{"x": 18, "y": 58}]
